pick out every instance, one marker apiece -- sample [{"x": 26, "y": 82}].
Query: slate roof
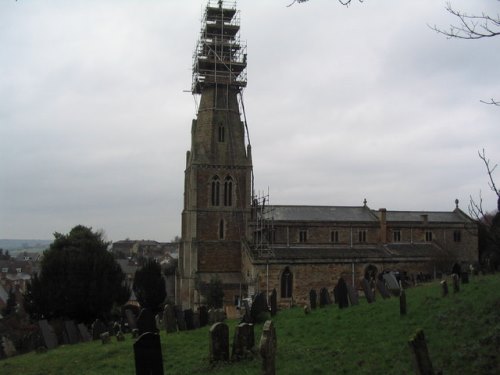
[
  {"x": 323, "y": 253},
  {"x": 320, "y": 213},
  {"x": 413, "y": 250},
  {"x": 432, "y": 216}
]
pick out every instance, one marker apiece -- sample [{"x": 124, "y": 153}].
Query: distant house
[{"x": 145, "y": 248}]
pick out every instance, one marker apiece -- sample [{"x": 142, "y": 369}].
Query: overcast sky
[{"x": 342, "y": 104}]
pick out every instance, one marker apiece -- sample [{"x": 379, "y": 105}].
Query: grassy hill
[{"x": 462, "y": 330}]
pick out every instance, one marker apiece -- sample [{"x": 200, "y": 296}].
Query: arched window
[
  {"x": 221, "y": 229},
  {"x": 221, "y": 133},
  {"x": 228, "y": 191},
  {"x": 286, "y": 283},
  {"x": 215, "y": 191}
]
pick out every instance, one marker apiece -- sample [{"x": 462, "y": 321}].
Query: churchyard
[{"x": 462, "y": 331}]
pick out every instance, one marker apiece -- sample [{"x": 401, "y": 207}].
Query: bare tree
[{"x": 343, "y": 2}]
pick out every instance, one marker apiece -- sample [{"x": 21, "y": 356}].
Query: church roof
[
  {"x": 320, "y": 213},
  {"x": 432, "y": 216},
  {"x": 322, "y": 253}
]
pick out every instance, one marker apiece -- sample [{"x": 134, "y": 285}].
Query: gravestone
[
  {"x": 267, "y": 349},
  {"x": 188, "y": 317},
  {"x": 402, "y": 302},
  {"x": 353, "y": 295},
  {"x": 259, "y": 310},
  {"x": 169, "y": 321},
  {"x": 367, "y": 290},
  {"x": 117, "y": 328},
  {"x": 120, "y": 336},
  {"x": 203, "y": 310},
  {"x": 179, "y": 316},
  {"x": 147, "y": 354},
  {"x": 48, "y": 334},
  {"x": 335, "y": 294},
  {"x": 392, "y": 283},
  {"x": 343, "y": 299},
  {"x": 84, "y": 332},
  {"x": 382, "y": 289},
  {"x": 465, "y": 278},
  {"x": 444, "y": 288},
  {"x": 146, "y": 322},
  {"x": 196, "y": 320},
  {"x": 105, "y": 338},
  {"x": 243, "y": 342},
  {"x": 273, "y": 301},
  {"x": 247, "y": 318},
  {"x": 71, "y": 331},
  {"x": 324, "y": 297},
  {"x": 8, "y": 347},
  {"x": 456, "y": 269},
  {"x": 98, "y": 328},
  {"x": 313, "y": 298},
  {"x": 307, "y": 310},
  {"x": 456, "y": 283},
  {"x": 158, "y": 322},
  {"x": 131, "y": 320},
  {"x": 219, "y": 342}
]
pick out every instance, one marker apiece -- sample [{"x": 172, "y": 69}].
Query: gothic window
[
  {"x": 303, "y": 235},
  {"x": 286, "y": 283},
  {"x": 396, "y": 236},
  {"x": 428, "y": 236},
  {"x": 222, "y": 132},
  {"x": 215, "y": 191},
  {"x": 457, "y": 236},
  {"x": 221, "y": 229},
  {"x": 228, "y": 191},
  {"x": 334, "y": 236},
  {"x": 362, "y": 236}
]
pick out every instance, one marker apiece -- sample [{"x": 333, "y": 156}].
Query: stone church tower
[{"x": 218, "y": 175}]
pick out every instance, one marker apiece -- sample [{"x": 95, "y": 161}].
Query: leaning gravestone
[
  {"x": 169, "y": 321},
  {"x": 268, "y": 348},
  {"x": 98, "y": 328},
  {"x": 392, "y": 283},
  {"x": 367, "y": 290},
  {"x": 382, "y": 289},
  {"x": 273, "y": 301},
  {"x": 312, "y": 298},
  {"x": 243, "y": 342},
  {"x": 146, "y": 322},
  {"x": 219, "y": 342},
  {"x": 48, "y": 334},
  {"x": 84, "y": 332},
  {"x": 203, "y": 310},
  {"x": 353, "y": 295},
  {"x": 147, "y": 355},
  {"x": 343, "y": 299},
  {"x": 71, "y": 331},
  {"x": 132, "y": 323}
]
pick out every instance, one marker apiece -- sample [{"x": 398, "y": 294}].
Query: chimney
[{"x": 383, "y": 224}]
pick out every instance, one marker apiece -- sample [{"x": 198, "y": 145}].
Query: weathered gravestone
[
  {"x": 353, "y": 295},
  {"x": 273, "y": 302},
  {"x": 219, "y": 342},
  {"x": 98, "y": 328},
  {"x": 84, "y": 332},
  {"x": 179, "y": 316},
  {"x": 392, "y": 283},
  {"x": 71, "y": 331},
  {"x": 343, "y": 299},
  {"x": 8, "y": 347},
  {"x": 324, "y": 297},
  {"x": 131, "y": 320},
  {"x": 188, "y": 317},
  {"x": 444, "y": 288},
  {"x": 313, "y": 297},
  {"x": 169, "y": 321},
  {"x": 48, "y": 334},
  {"x": 421, "y": 360},
  {"x": 147, "y": 354},
  {"x": 146, "y": 322},
  {"x": 243, "y": 342},
  {"x": 203, "y": 310},
  {"x": 382, "y": 289},
  {"x": 267, "y": 349},
  {"x": 367, "y": 290}
]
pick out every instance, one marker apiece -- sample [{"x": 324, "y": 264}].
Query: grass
[{"x": 462, "y": 330}]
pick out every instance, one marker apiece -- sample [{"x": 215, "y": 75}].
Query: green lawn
[{"x": 462, "y": 330}]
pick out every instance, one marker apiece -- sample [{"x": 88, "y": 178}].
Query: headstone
[
  {"x": 131, "y": 320},
  {"x": 120, "y": 336},
  {"x": 48, "y": 334},
  {"x": 313, "y": 298},
  {"x": 188, "y": 317},
  {"x": 147, "y": 354},
  {"x": 456, "y": 283},
  {"x": 219, "y": 342},
  {"x": 382, "y": 289},
  {"x": 196, "y": 320},
  {"x": 117, "y": 328},
  {"x": 268, "y": 347},
  {"x": 392, "y": 283},
  {"x": 273, "y": 302},
  {"x": 324, "y": 298},
  {"x": 8, "y": 347},
  {"x": 259, "y": 310},
  {"x": 402, "y": 302},
  {"x": 71, "y": 331},
  {"x": 465, "y": 278},
  {"x": 84, "y": 332},
  {"x": 179, "y": 316},
  {"x": 247, "y": 318},
  {"x": 444, "y": 288},
  {"x": 169, "y": 321},
  {"x": 456, "y": 269},
  {"x": 146, "y": 322},
  {"x": 421, "y": 359},
  {"x": 243, "y": 342},
  {"x": 367, "y": 290},
  {"x": 353, "y": 295},
  {"x": 98, "y": 328},
  {"x": 343, "y": 299},
  {"x": 307, "y": 310},
  {"x": 105, "y": 338},
  {"x": 158, "y": 322},
  {"x": 203, "y": 310}
]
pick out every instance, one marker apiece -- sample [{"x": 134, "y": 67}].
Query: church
[{"x": 230, "y": 234}]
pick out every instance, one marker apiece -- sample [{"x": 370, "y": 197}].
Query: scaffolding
[
  {"x": 220, "y": 56},
  {"x": 263, "y": 235}
]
